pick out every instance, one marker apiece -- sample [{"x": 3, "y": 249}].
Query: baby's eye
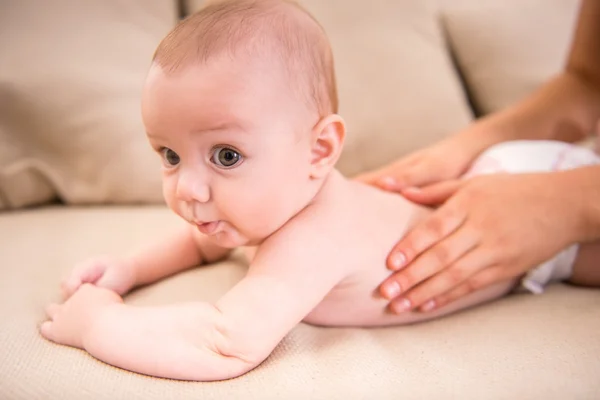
[
  {"x": 170, "y": 156},
  {"x": 225, "y": 157}
]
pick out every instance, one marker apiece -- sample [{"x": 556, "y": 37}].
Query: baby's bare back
[{"x": 367, "y": 223}]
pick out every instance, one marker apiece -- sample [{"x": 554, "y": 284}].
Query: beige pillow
[
  {"x": 507, "y": 48},
  {"x": 397, "y": 85},
  {"x": 70, "y": 82}
]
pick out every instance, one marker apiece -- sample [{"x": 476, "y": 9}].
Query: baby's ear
[{"x": 327, "y": 140}]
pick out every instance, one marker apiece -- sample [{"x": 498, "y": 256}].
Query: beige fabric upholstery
[
  {"x": 70, "y": 74},
  {"x": 522, "y": 347},
  {"x": 70, "y": 84},
  {"x": 506, "y": 49}
]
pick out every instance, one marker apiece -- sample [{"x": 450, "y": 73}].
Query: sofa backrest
[{"x": 71, "y": 74}]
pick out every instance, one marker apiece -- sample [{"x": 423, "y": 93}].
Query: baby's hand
[
  {"x": 71, "y": 322},
  {"x": 109, "y": 273}
]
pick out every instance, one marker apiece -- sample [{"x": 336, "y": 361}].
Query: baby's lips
[{"x": 208, "y": 227}]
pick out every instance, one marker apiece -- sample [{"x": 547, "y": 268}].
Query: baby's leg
[
  {"x": 578, "y": 264},
  {"x": 586, "y": 270}
]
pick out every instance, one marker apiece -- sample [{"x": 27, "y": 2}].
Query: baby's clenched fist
[{"x": 106, "y": 272}]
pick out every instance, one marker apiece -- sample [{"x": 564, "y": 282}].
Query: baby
[{"x": 240, "y": 104}]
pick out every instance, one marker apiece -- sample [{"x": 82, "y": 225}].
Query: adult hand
[
  {"x": 492, "y": 228},
  {"x": 447, "y": 159}
]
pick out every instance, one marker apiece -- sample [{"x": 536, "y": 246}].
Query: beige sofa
[{"x": 78, "y": 178}]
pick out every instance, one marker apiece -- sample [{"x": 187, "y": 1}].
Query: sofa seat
[{"x": 521, "y": 347}]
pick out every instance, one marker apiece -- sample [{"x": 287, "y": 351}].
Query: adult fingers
[
  {"x": 415, "y": 174},
  {"x": 478, "y": 281},
  {"x": 434, "y": 194},
  {"x": 427, "y": 295},
  {"x": 437, "y": 258},
  {"x": 437, "y": 226},
  {"x": 387, "y": 175}
]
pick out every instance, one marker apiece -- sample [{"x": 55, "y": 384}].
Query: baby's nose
[{"x": 192, "y": 189}]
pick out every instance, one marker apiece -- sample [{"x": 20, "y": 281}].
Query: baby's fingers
[
  {"x": 47, "y": 328},
  {"x": 69, "y": 286},
  {"x": 47, "y": 331},
  {"x": 52, "y": 310},
  {"x": 85, "y": 273}
]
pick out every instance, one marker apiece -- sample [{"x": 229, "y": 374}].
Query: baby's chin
[
  {"x": 232, "y": 240},
  {"x": 228, "y": 240}
]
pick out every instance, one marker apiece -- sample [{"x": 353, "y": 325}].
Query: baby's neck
[
  {"x": 325, "y": 187},
  {"x": 318, "y": 193}
]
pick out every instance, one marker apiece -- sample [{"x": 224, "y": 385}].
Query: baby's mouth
[{"x": 208, "y": 228}]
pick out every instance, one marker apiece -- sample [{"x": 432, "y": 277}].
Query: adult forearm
[{"x": 566, "y": 108}]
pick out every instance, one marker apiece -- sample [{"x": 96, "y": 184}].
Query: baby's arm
[
  {"x": 178, "y": 250},
  {"x": 185, "y": 248},
  {"x": 199, "y": 341}
]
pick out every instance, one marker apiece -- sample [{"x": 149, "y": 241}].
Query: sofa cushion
[
  {"x": 71, "y": 74},
  {"x": 521, "y": 347},
  {"x": 506, "y": 49}
]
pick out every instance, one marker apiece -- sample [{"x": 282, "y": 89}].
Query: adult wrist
[{"x": 482, "y": 135}]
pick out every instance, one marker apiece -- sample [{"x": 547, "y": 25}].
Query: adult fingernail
[
  {"x": 402, "y": 305},
  {"x": 398, "y": 260},
  {"x": 428, "y": 306},
  {"x": 391, "y": 289}
]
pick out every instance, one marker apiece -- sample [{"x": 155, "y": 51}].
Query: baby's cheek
[
  {"x": 252, "y": 209},
  {"x": 168, "y": 190}
]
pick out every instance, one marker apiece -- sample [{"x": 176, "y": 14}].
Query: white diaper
[
  {"x": 529, "y": 157},
  {"x": 557, "y": 269}
]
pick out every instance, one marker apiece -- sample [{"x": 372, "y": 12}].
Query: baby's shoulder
[
  {"x": 359, "y": 203},
  {"x": 350, "y": 228},
  {"x": 303, "y": 244},
  {"x": 346, "y": 215}
]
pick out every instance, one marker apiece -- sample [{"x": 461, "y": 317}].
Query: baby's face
[{"x": 235, "y": 152}]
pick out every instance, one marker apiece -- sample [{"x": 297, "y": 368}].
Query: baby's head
[{"x": 241, "y": 103}]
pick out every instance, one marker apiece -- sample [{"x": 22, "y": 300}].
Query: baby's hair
[{"x": 279, "y": 30}]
